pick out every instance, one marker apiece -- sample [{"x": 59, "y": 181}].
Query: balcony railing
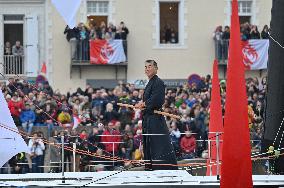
[
  {"x": 80, "y": 57},
  {"x": 80, "y": 50},
  {"x": 221, "y": 51},
  {"x": 14, "y": 65}
]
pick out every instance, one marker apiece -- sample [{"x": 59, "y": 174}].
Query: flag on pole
[
  {"x": 68, "y": 10},
  {"x": 215, "y": 125},
  {"x": 236, "y": 169},
  {"x": 11, "y": 143}
]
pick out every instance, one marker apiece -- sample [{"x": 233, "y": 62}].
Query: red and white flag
[
  {"x": 255, "y": 54},
  {"x": 106, "y": 52}
]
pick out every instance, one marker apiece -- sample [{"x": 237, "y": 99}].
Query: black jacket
[
  {"x": 156, "y": 147},
  {"x": 71, "y": 33}
]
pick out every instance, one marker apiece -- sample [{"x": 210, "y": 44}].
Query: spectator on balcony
[
  {"x": 124, "y": 29},
  {"x": 84, "y": 42},
  {"x": 264, "y": 32},
  {"x": 225, "y": 44},
  {"x": 217, "y": 36},
  {"x": 7, "y": 49},
  {"x": 72, "y": 36},
  {"x": 111, "y": 29},
  {"x": 101, "y": 30},
  {"x": 93, "y": 32},
  {"x": 245, "y": 31},
  {"x": 173, "y": 36},
  {"x": 18, "y": 49},
  {"x": 226, "y": 33},
  {"x": 108, "y": 36},
  {"x": 254, "y": 33},
  {"x": 27, "y": 118},
  {"x": 120, "y": 34},
  {"x": 188, "y": 145},
  {"x": 166, "y": 34}
]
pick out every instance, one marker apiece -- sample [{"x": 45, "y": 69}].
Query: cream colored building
[{"x": 42, "y": 30}]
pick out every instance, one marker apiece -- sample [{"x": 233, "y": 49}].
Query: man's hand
[{"x": 140, "y": 105}]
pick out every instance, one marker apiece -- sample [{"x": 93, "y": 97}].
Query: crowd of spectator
[
  {"x": 116, "y": 130},
  {"x": 80, "y": 36},
  {"x": 16, "y": 50},
  {"x": 169, "y": 35},
  {"x": 248, "y": 32}
]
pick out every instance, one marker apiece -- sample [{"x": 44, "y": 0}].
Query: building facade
[{"x": 40, "y": 28}]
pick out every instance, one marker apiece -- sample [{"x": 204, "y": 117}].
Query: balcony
[
  {"x": 80, "y": 57},
  {"x": 221, "y": 51},
  {"x": 14, "y": 65}
]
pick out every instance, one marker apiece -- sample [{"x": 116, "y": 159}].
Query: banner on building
[
  {"x": 106, "y": 52},
  {"x": 255, "y": 54}
]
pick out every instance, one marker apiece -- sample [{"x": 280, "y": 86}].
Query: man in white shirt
[{"x": 36, "y": 147}]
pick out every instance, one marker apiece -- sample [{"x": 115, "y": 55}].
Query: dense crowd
[{"x": 114, "y": 129}]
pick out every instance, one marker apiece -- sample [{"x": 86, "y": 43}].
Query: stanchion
[
  {"x": 218, "y": 157},
  {"x": 209, "y": 157},
  {"x": 62, "y": 158},
  {"x": 74, "y": 157},
  {"x": 113, "y": 154}
]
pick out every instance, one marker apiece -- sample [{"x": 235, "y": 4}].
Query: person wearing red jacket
[
  {"x": 16, "y": 106},
  {"x": 188, "y": 145},
  {"x": 109, "y": 136}
]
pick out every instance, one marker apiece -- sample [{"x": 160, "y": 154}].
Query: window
[
  {"x": 98, "y": 12},
  {"x": 245, "y": 10},
  {"x": 169, "y": 22},
  {"x": 245, "y": 7},
  {"x": 13, "y": 17},
  {"x": 98, "y": 7}
]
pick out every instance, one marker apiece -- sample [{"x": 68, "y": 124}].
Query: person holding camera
[{"x": 36, "y": 147}]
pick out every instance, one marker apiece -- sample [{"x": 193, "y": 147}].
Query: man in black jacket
[
  {"x": 157, "y": 149},
  {"x": 72, "y": 37}
]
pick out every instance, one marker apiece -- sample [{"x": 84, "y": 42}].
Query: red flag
[
  {"x": 215, "y": 124},
  {"x": 236, "y": 166},
  {"x": 43, "y": 69}
]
